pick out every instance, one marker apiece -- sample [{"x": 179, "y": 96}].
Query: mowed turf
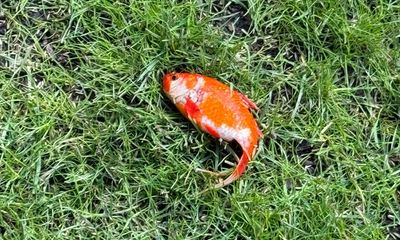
[{"x": 91, "y": 148}]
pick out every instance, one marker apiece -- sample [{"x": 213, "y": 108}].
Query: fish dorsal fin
[{"x": 247, "y": 101}]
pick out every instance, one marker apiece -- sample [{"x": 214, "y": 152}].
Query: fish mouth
[{"x": 167, "y": 82}]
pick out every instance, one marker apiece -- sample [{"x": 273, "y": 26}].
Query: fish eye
[{"x": 174, "y": 77}]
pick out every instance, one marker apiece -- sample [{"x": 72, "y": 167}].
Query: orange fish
[{"x": 218, "y": 110}]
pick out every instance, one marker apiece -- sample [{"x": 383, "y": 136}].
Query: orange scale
[
  {"x": 215, "y": 110},
  {"x": 190, "y": 82}
]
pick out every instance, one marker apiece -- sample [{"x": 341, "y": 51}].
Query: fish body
[{"x": 218, "y": 110}]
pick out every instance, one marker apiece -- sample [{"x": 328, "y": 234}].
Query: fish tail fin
[{"x": 239, "y": 170}]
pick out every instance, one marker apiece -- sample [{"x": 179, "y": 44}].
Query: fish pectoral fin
[
  {"x": 192, "y": 110},
  {"x": 248, "y": 102}
]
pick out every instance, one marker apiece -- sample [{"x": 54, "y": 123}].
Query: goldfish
[{"x": 218, "y": 110}]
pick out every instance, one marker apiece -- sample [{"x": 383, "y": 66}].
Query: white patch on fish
[
  {"x": 229, "y": 133},
  {"x": 179, "y": 92}
]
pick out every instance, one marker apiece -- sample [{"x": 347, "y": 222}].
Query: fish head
[{"x": 179, "y": 85}]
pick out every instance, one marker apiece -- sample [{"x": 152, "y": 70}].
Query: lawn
[{"x": 90, "y": 147}]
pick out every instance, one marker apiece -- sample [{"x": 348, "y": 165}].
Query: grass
[{"x": 91, "y": 148}]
